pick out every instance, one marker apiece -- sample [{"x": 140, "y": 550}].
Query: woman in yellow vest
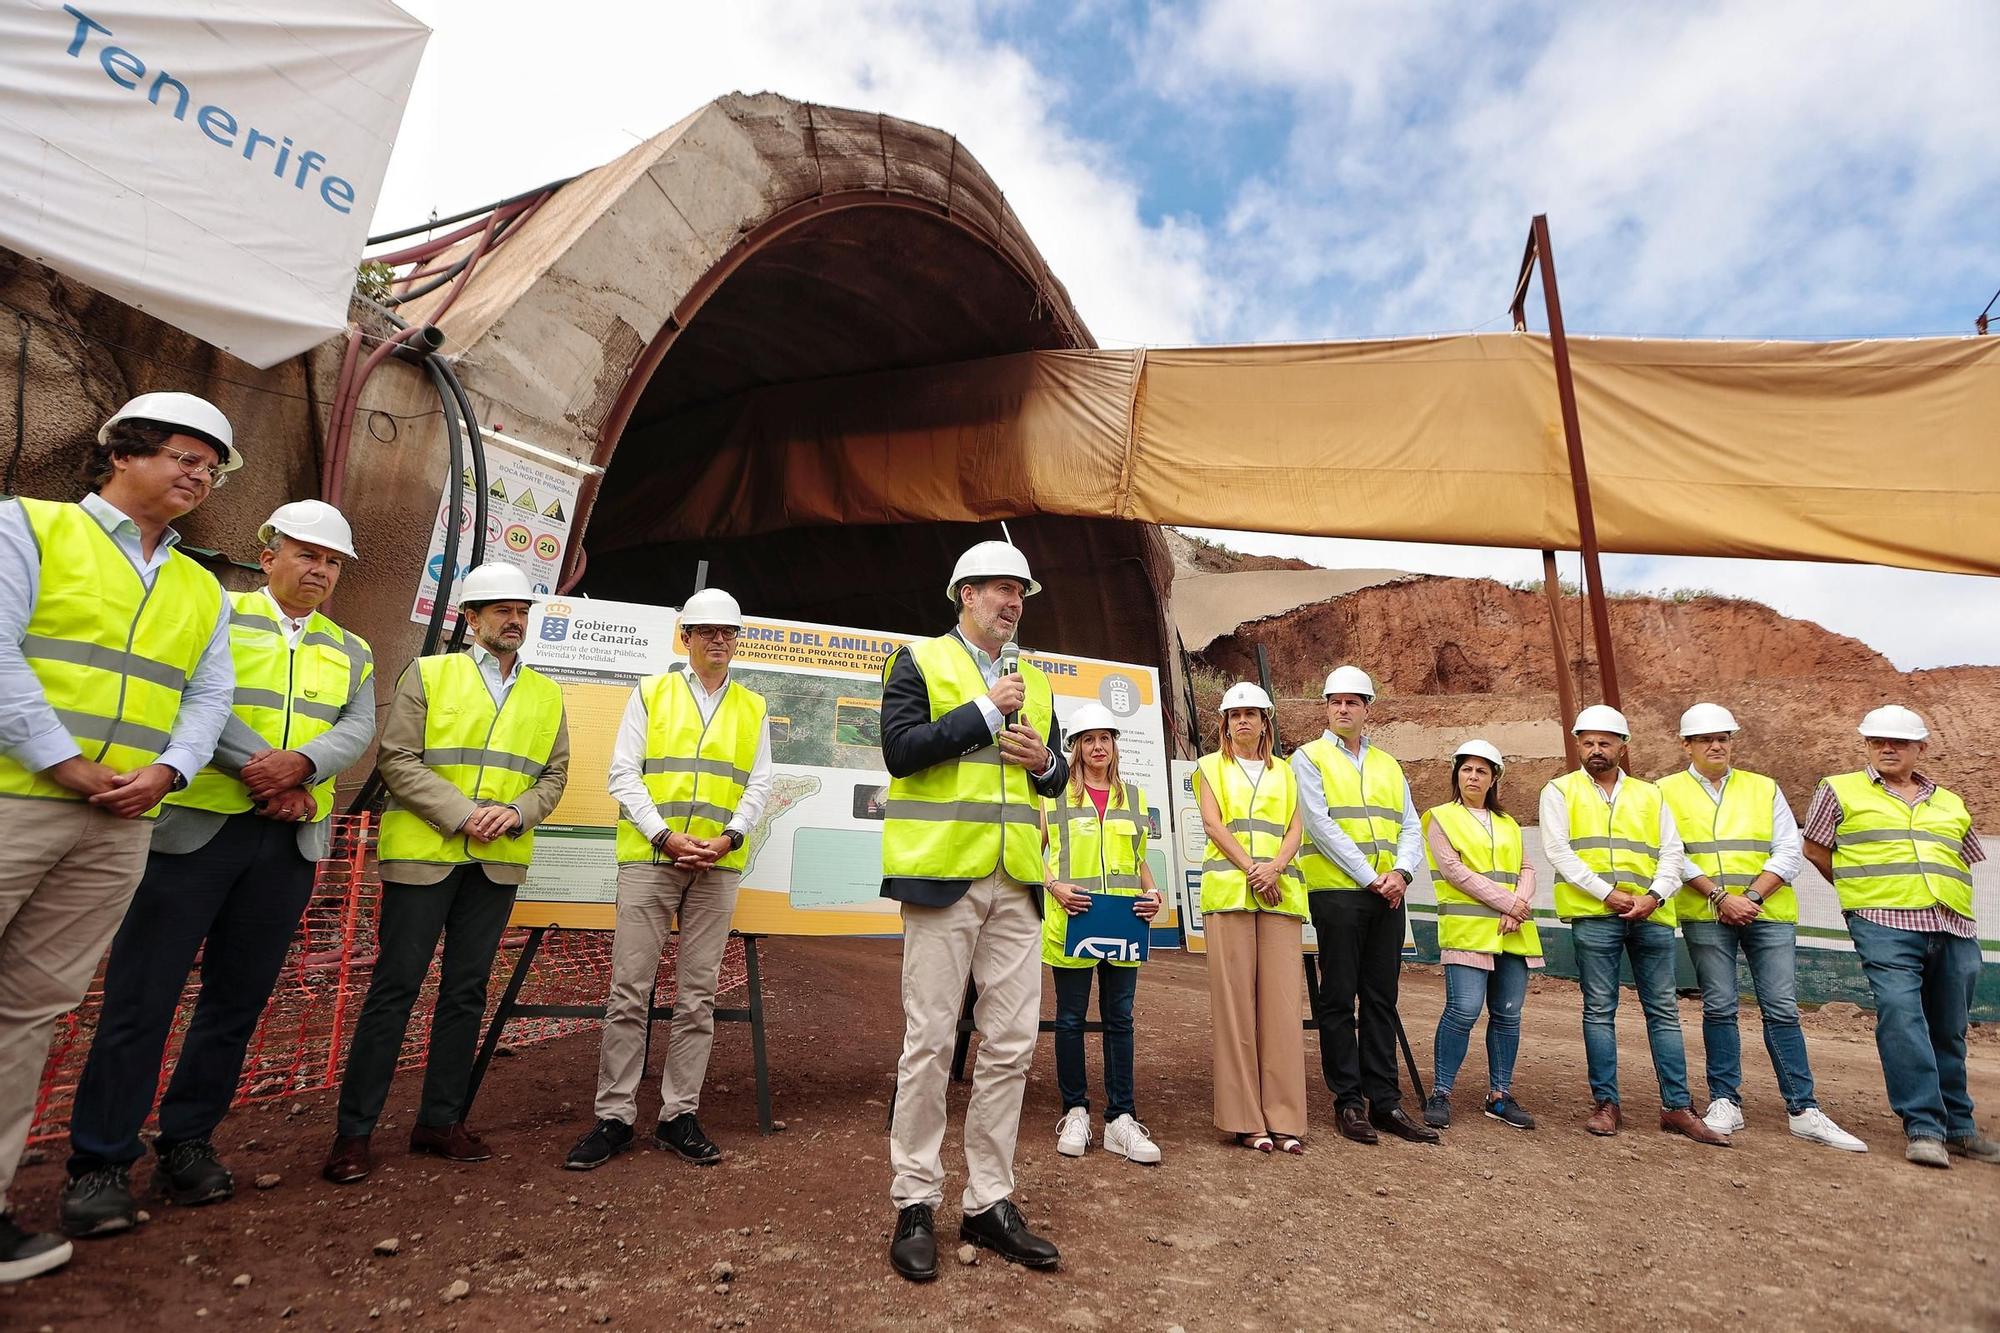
[
  {"x": 1096, "y": 831},
  {"x": 1253, "y": 908},
  {"x": 1486, "y": 932}
]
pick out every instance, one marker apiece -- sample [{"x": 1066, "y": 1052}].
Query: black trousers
[
  {"x": 471, "y": 912},
  {"x": 1360, "y": 959},
  {"x": 236, "y": 901}
]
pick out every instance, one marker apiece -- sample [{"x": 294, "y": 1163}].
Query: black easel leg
[{"x": 503, "y": 1013}]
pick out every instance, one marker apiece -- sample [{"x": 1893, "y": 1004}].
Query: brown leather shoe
[
  {"x": 1685, "y": 1121},
  {"x": 1353, "y": 1122},
  {"x": 454, "y": 1143},
  {"x": 348, "y": 1160},
  {"x": 1604, "y": 1119},
  {"x": 1397, "y": 1121}
]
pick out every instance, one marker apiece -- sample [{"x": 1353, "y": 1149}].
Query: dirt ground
[{"x": 1494, "y": 1230}]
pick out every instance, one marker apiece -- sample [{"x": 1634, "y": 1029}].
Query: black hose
[
  {"x": 437, "y": 280},
  {"x": 480, "y": 499},
  {"x": 469, "y": 213}
]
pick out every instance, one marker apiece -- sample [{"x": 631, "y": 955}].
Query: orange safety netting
[{"x": 301, "y": 1042}]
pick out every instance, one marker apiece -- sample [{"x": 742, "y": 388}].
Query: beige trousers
[
  {"x": 67, "y": 876},
  {"x": 994, "y": 934},
  {"x": 649, "y": 898},
  {"x": 1255, "y": 980}
]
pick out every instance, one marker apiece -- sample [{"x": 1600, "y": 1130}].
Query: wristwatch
[
  {"x": 735, "y": 837},
  {"x": 1754, "y": 896},
  {"x": 1654, "y": 894},
  {"x": 1408, "y": 878}
]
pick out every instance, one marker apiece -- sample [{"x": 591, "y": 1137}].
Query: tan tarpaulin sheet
[{"x": 1870, "y": 451}]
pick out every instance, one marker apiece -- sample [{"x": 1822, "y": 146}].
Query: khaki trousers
[
  {"x": 1255, "y": 979},
  {"x": 68, "y": 873},
  {"x": 650, "y": 896},
  {"x": 994, "y": 934}
]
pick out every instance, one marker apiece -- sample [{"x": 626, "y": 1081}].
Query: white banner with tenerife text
[{"x": 214, "y": 163}]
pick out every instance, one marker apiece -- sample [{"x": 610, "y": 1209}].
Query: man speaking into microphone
[{"x": 969, "y": 739}]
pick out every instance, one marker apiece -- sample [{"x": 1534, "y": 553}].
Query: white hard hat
[
  {"x": 1245, "y": 695},
  {"x": 1707, "y": 720},
  {"x": 1601, "y": 717},
  {"x": 1091, "y": 716},
  {"x": 1350, "y": 680},
  {"x": 1476, "y": 749},
  {"x": 991, "y": 560},
  {"x": 496, "y": 581},
  {"x": 313, "y": 521},
  {"x": 184, "y": 414},
  {"x": 712, "y": 606},
  {"x": 1894, "y": 722}
]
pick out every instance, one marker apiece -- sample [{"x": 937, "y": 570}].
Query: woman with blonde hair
[
  {"x": 1253, "y": 907},
  {"x": 1096, "y": 831}
]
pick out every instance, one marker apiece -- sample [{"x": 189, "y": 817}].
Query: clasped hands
[{"x": 689, "y": 852}]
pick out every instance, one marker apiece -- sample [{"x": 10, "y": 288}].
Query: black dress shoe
[
  {"x": 594, "y": 1149},
  {"x": 98, "y": 1203},
  {"x": 913, "y": 1253},
  {"x": 1397, "y": 1121},
  {"x": 1003, "y": 1230},
  {"x": 683, "y": 1135},
  {"x": 190, "y": 1173},
  {"x": 1353, "y": 1121}
]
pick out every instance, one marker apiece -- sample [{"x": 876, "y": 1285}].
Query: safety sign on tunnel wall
[{"x": 529, "y": 504}]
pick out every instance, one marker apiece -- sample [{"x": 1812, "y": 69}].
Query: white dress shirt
[
  {"x": 499, "y": 683},
  {"x": 628, "y": 754},
  {"x": 292, "y": 629},
  {"x": 1331, "y": 840},
  {"x": 1788, "y": 855},
  {"x": 1570, "y": 867},
  {"x": 29, "y": 728}
]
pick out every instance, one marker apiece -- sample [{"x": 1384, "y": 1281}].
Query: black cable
[
  {"x": 438, "y": 280},
  {"x": 20, "y": 409},
  {"x": 479, "y": 496},
  {"x": 469, "y": 213}
]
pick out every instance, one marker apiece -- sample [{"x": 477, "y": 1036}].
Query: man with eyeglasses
[
  {"x": 115, "y": 682},
  {"x": 691, "y": 771}
]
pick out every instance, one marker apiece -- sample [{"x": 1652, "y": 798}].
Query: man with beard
[
  {"x": 475, "y": 753},
  {"x": 1617, "y": 858}
]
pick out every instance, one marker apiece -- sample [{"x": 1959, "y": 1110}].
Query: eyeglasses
[
  {"x": 726, "y": 633},
  {"x": 192, "y": 465}
]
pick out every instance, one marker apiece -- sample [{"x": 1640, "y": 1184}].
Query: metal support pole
[
  {"x": 755, "y": 981},
  {"x": 504, "y": 1012},
  {"x": 1264, "y": 679},
  {"x": 1565, "y": 681},
  {"x": 1586, "y": 519}
]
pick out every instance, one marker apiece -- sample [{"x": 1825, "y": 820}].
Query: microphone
[{"x": 1010, "y": 665}]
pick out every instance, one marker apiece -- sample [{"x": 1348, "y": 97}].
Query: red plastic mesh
[{"x": 301, "y": 1042}]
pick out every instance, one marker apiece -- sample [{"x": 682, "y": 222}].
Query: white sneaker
[
  {"x": 1814, "y": 1124},
  {"x": 1073, "y": 1132},
  {"x": 1723, "y": 1116},
  {"x": 1128, "y": 1138}
]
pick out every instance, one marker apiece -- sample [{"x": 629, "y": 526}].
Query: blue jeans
[
  {"x": 1467, "y": 990},
  {"x": 1115, "y": 988},
  {"x": 1923, "y": 983},
  {"x": 1771, "y": 949},
  {"x": 1600, "y": 943}
]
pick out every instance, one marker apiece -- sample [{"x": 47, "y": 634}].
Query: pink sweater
[{"x": 1452, "y": 869}]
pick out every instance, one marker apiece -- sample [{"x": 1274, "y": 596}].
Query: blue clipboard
[{"x": 1109, "y": 930}]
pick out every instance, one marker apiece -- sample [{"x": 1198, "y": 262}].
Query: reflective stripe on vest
[
  {"x": 490, "y": 756},
  {"x": 695, "y": 770},
  {"x": 1618, "y": 840},
  {"x": 1098, "y": 854},
  {"x": 288, "y": 696},
  {"x": 1728, "y": 840},
  {"x": 958, "y": 819},
  {"x": 1367, "y": 804},
  {"x": 1463, "y": 921},
  {"x": 1889, "y": 854},
  {"x": 1258, "y": 815},
  {"x": 111, "y": 654}
]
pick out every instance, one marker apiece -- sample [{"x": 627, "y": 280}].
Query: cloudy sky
[{"x": 1304, "y": 170}]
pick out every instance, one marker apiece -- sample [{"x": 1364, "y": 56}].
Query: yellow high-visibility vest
[
  {"x": 963, "y": 818},
  {"x": 112, "y": 655},
  {"x": 1096, "y": 853},
  {"x": 287, "y": 695},
  {"x": 1619, "y": 841},
  {"x": 695, "y": 771},
  {"x": 1728, "y": 839},
  {"x": 1463, "y": 921},
  {"x": 1892, "y": 855},
  {"x": 1257, "y": 814},
  {"x": 490, "y": 755},
  {"x": 1367, "y": 804}
]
